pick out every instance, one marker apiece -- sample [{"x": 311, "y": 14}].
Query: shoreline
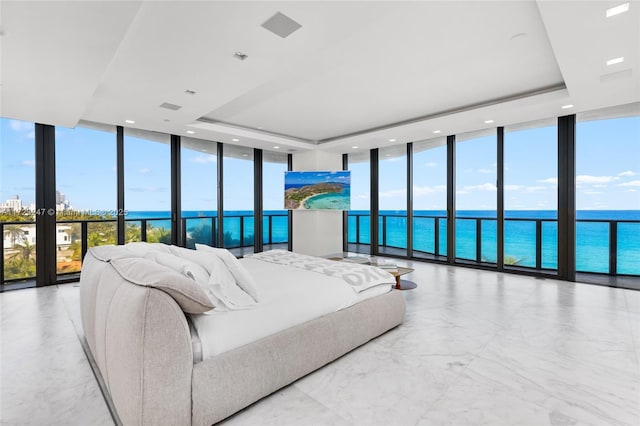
[{"x": 304, "y": 200}]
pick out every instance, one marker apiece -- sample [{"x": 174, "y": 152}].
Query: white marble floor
[{"x": 476, "y": 347}]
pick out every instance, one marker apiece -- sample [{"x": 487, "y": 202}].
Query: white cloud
[
  {"x": 426, "y": 190},
  {"x": 393, "y": 193},
  {"x": 631, "y": 190},
  {"x": 31, "y": 134},
  {"x": 20, "y": 126},
  {"x": 486, "y": 171},
  {"x": 483, "y": 187},
  {"x": 632, "y": 183},
  {"x": 29, "y": 163},
  {"x": 461, "y": 192},
  {"x": 587, "y": 179},
  {"x": 599, "y": 186},
  {"x": 549, "y": 180},
  {"x": 524, "y": 188},
  {"x": 144, "y": 171},
  {"x": 627, "y": 173},
  {"x": 431, "y": 164},
  {"x": 203, "y": 159},
  {"x": 147, "y": 189},
  {"x": 591, "y": 192}
]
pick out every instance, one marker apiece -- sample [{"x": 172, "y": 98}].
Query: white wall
[{"x": 317, "y": 232}]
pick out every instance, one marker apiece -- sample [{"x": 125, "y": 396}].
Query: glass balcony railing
[
  {"x": 75, "y": 237},
  {"x": 602, "y": 246}
]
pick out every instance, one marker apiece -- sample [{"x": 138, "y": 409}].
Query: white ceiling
[{"x": 356, "y": 73}]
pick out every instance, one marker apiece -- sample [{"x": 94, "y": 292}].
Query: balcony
[
  {"x": 604, "y": 247},
  {"x": 74, "y": 237}
]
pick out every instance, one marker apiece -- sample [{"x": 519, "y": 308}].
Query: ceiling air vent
[
  {"x": 172, "y": 107},
  {"x": 281, "y": 25}
]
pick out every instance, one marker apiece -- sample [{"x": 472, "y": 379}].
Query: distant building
[
  {"x": 62, "y": 203},
  {"x": 20, "y": 235},
  {"x": 14, "y": 204}
]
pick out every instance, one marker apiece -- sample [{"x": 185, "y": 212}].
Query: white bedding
[{"x": 288, "y": 296}]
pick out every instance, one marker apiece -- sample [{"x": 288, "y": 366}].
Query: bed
[{"x": 166, "y": 357}]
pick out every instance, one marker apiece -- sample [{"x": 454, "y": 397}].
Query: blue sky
[
  {"x": 608, "y": 172},
  {"x": 308, "y": 178}
]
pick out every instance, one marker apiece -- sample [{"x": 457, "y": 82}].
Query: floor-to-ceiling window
[
  {"x": 17, "y": 199},
  {"x": 275, "y": 224},
  {"x": 359, "y": 216},
  {"x": 430, "y": 198},
  {"x": 608, "y": 191},
  {"x": 238, "y": 197},
  {"x": 476, "y": 196},
  {"x": 392, "y": 201},
  {"x": 199, "y": 191},
  {"x": 531, "y": 195},
  {"x": 147, "y": 186},
  {"x": 86, "y": 196}
]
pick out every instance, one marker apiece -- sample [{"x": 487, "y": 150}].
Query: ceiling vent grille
[
  {"x": 281, "y": 25},
  {"x": 172, "y": 107}
]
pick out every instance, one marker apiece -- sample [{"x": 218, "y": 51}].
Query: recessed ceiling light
[
  {"x": 240, "y": 55},
  {"x": 235, "y": 140},
  {"x": 166, "y": 120},
  {"x": 567, "y": 106},
  {"x": 488, "y": 121},
  {"x": 617, "y": 10},
  {"x": 129, "y": 121},
  {"x": 615, "y": 61},
  {"x": 276, "y": 147},
  {"x": 191, "y": 132},
  {"x": 355, "y": 147},
  {"x": 436, "y": 131},
  {"x": 392, "y": 140}
]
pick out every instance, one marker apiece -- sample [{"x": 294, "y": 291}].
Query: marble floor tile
[
  {"x": 45, "y": 377},
  {"x": 376, "y": 386},
  {"x": 476, "y": 347},
  {"x": 474, "y": 401},
  {"x": 288, "y": 406},
  {"x": 575, "y": 386}
]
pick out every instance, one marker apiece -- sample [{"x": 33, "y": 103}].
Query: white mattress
[{"x": 288, "y": 296}]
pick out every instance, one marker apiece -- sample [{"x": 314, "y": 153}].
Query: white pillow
[
  {"x": 141, "y": 248},
  {"x": 243, "y": 277},
  {"x": 222, "y": 287},
  {"x": 145, "y": 272},
  {"x": 107, "y": 252},
  {"x": 184, "y": 266}
]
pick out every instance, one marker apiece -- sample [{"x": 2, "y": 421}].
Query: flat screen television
[{"x": 317, "y": 190}]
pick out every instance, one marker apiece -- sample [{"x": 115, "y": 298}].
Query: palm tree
[{"x": 14, "y": 232}]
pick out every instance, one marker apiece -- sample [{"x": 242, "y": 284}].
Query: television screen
[{"x": 325, "y": 190}]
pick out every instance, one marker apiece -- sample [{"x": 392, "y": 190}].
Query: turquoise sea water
[
  {"x": 592, "y": 238},
  {"x": 333, "y": 201}
]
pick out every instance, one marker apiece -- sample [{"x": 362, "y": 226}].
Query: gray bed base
[{"x": 142, "y": 346}]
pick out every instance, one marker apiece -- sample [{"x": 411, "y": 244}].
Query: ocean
[{"x": 592, "y": 237}]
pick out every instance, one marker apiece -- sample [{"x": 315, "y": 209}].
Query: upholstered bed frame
[{"x": 143, "y": 347}]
